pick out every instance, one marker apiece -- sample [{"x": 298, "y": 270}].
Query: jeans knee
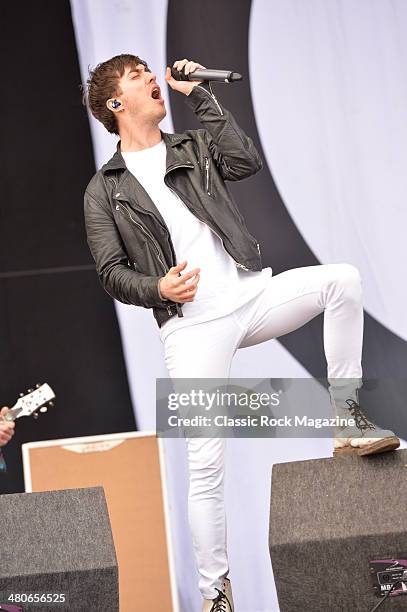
[{"x": 350, "y": 282}]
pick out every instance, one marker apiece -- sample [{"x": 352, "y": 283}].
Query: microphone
[{"x": 206, "y": 74}]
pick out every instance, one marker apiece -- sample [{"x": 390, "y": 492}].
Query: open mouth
[{"x": 156, "y": 93}]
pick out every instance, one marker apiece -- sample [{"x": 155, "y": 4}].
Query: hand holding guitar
[
  {"x": 32, "y": 403},
  {"x": 6, "y": 428}
]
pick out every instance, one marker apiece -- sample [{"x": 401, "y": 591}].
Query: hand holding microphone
[
  {"x": 184, "y": 87},
  {"x": 185, "y": 75}
]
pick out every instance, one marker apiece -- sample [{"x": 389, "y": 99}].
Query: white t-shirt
[{"x": 222, "y": 287}]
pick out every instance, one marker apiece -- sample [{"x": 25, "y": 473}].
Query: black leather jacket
[{"x": 126, "y": 233}]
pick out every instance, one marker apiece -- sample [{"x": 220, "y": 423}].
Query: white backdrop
[{"x": 333, "y": 124}]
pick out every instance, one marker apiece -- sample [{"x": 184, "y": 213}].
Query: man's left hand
[{"x": 184, "y": 87}]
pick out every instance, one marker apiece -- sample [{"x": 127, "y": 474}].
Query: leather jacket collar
[{"x": 174, "y": 156}]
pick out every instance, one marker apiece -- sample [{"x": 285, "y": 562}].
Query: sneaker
[
  {"x": 223, "y": 602},
  {"x": 364, "y": 438}
]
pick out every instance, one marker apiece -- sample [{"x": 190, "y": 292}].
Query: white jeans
[{"x": 205, "y": 350}]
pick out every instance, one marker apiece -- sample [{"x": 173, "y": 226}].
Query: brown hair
[{"x": 102, "y": 84}]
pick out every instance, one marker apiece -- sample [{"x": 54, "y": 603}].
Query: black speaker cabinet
[
  {"x": 329, "y": 519},
  {"x": 57, "y": 552}
]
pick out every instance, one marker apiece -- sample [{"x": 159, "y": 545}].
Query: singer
[{"x": 166, "y": 234}]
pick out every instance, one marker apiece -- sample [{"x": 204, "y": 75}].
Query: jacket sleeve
[
  {"x": 117, "y": 278},
  {"x": 232, "y": 150}
]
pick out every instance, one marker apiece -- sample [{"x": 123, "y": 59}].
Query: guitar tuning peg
[
  {"x": 35, "y": 415},
  {"x": 30, "y": 390},
  {"x": 43, "y": 409},
  {"x": 38, "y": 385},
  {"x": 21, "y": 394},
  {"x": 50, "y": 404}
]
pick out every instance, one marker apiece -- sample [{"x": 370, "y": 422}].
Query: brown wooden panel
[{"x": 131, "y": 476}]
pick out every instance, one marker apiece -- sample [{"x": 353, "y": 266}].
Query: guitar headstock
[{"x": 38, "y": 399}]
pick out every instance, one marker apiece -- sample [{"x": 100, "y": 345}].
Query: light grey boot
[{"x": 362, "y": 436}]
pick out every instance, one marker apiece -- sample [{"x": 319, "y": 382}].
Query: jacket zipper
[
  {"x": 156, "y": 246},
  {"x": 212, "y": 95},
  {"x": 207, "y": 175},
  {"x": 138, "y": 224},
  {"x": 238, "y": 265}
]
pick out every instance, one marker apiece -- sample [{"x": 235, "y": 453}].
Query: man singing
[{"x": 166, "y": 234}]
